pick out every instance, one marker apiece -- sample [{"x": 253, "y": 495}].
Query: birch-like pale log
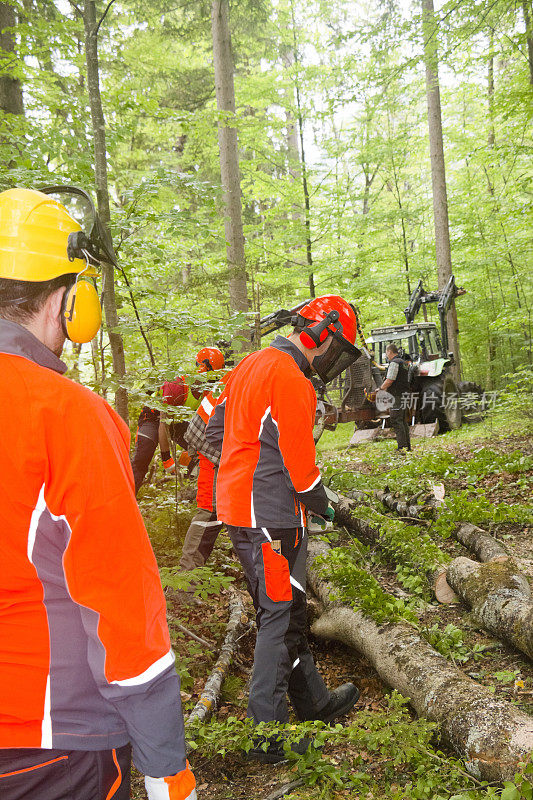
[{"x": 209, "y": 698}]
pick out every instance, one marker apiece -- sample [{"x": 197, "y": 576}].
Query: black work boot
[
  {"x": 341, "y": 700},
  {"x": 275, "y": 753}
]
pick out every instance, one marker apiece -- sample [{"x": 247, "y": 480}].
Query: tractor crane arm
[{"x": 444, "y": 298}]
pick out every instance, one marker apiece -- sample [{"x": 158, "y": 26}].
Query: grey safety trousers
[
  {"x": 274, "y": 566},
  {"x": 200, "y": 539}
]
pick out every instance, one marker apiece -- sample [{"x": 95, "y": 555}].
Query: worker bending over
[
  {"x": 205, "y": 527},
  {"x": 153, "y": 430},
  {"x": 267, "y": 479},
  {"x": 86, "y": 667},
  {"x": 396, "y": 383}
]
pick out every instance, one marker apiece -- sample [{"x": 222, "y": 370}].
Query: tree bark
[
  {"x": 528, "y": 14},
  {"x": 305, "y": 187},
  {"x": 484, "y": 546},
  {"x": 229, "y": 155},
  {"x": 438, "y": 173},
  {"x": 102, "y": 195},
  {"x": 10, "y": 88},
  {"x": 492, "y": 736},
  {"x": 209, "y": 698},
  {"x": 500, "y": 597},
  {"x": 346, "y": 515}
]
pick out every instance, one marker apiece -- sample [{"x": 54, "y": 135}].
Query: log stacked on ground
[
  {"x": 484, "y": 546},
  {"x": 346, "y": 514},
  {"x": 500, "y": 597},
  {"x": 491, "y": 735}
]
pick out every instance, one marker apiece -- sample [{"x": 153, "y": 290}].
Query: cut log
[
  {"x": 491, "y": 735},
  {"x": 209, "y": 698},
  {"x": 484, "y": 546},
  {"x": 500, "y": 597},
  {"x": 346, "y": 515}
]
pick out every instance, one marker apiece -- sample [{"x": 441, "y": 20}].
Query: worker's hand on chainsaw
[
  {"x": 330, "y": 514},
  {"x": 181, "y": 786}
]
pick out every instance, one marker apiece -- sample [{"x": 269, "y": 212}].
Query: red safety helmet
[
  {"x": 329, "y": 316},
  {"x": 209, "y": 358},
  {"x": 175, "y": 392}
]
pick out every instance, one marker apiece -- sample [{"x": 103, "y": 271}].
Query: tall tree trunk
[
  {"x": 10, "y": 87},
  {"x": 91, "y": 26},
  {"x": 438, "y": 174},
  {"x": 307, "y": 202},
  {"x": 528, "y": 19},
  {"x": 229, "y": 155}
]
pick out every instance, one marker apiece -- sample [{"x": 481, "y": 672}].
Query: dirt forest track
[{"x": 382, "y": 750}]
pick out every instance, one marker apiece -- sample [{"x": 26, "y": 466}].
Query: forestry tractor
[{"x": 435, "y": 402}]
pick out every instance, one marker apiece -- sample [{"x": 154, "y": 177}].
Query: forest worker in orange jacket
[
  {"x": 205, "y": 527},
  {"x": 152, "y": 430},
  {"x": 86, "y": 667},
  {"x": 267, "y": 478}
]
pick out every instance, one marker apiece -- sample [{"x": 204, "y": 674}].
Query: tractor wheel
[
  {"x": 472, "y": 404},
  {"x": 439, "y": 400}
]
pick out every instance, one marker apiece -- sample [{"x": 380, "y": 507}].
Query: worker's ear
[{"x": 52, "y": 309}]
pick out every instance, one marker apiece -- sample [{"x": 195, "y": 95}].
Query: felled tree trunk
[
  {"x": 492, "y": 736},
  {"x": 500, "y": 597},
  {"x": 209, "y": 698},
  {"x": 480, "y": 543},
  {"x": 346, "y": 515}
]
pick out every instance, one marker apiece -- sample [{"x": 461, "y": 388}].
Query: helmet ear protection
[
  {"x": 81, "y": 314},
  {"x": 315, "y": 333}
]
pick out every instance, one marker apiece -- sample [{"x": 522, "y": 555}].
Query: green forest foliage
[{"x": 358, "y": 71}]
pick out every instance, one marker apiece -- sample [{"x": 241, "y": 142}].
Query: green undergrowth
[
  {"x": 409, "y": 547},
  {"x": 356, "y": 587},
  {"x": 379, "y": 754}
]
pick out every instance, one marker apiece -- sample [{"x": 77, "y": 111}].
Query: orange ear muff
[
  {"x": 313, "y": 335},
  {"x": 81, "y": 314}
]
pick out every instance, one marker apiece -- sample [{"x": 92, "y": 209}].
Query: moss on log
[
  {"x": 492, "y": 736},
  {"x": 500, "y": 597}
]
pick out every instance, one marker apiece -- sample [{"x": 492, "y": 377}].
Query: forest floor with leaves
[{"x": 380, "y": 750}]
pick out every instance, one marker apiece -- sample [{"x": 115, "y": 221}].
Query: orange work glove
[
  {"x": 169, "y": 465},
  {"x": 181, "y": 786},
  {"x": 184, "y": 460}
]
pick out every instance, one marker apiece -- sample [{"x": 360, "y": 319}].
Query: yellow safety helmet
[{"x": 40, "y": 241}]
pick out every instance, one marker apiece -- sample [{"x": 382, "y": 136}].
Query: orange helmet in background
[
  {"x": 209, "y": 358},
  {"x": 323, "y": 317}
]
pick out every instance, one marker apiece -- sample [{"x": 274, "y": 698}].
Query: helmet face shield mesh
[
  {"x": 338, "y": 357},
  {"x": 80, "y": 206}
]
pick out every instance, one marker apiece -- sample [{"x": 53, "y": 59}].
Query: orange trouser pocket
[{"x": 277, "y": 575}]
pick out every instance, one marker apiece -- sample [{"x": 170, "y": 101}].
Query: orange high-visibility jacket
[
  {"x": 205, "y": 494},
  {"x": 265, "y": 417},
  {"x": 85, "y": 657}
]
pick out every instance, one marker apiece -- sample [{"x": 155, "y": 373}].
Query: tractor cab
[{"x": 415, "y": 342}]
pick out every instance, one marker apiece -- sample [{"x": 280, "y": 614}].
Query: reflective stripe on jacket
[{"x": 85, "y": 658}]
